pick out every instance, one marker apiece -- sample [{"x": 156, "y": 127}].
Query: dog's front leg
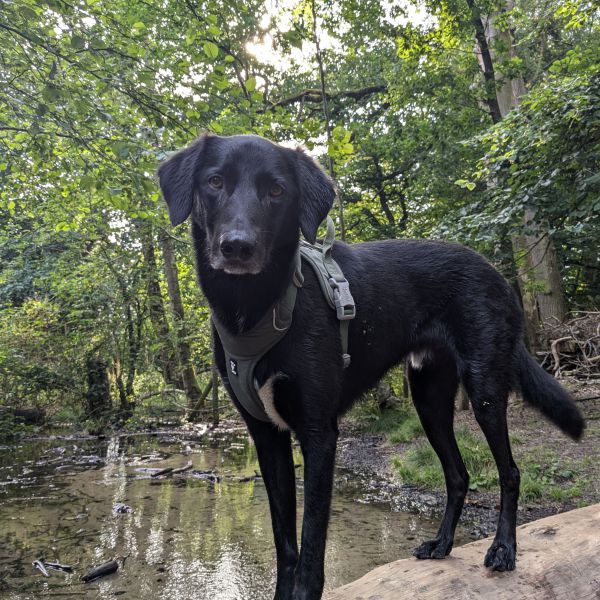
[
  {"x": 274, "y": 449},
  {"x": 318, "y": 444}
]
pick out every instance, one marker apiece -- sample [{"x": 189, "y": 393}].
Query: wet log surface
[{"x": 558, "y": 557}]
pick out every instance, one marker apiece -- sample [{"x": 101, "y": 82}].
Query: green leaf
[
  {"x": 51, "y": 93},
  {"x": 121, "y": 149},
  {"x": 251, "y": 84},
  {"x": 211, "y": 50},
  {"x": 87, "y": 182},
  {"x": 77, "y": 42}
]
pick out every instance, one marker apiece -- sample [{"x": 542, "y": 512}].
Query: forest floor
[{"x": 557, "y": 474}]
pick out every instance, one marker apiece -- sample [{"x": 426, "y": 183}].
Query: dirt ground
[{"x": 537, "y": 438}]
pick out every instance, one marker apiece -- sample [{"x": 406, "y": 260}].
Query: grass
[
  {"x": 542, "y": 477},
  {"x": 398, "y": 424},
  {"x": 421, "y": 466}
]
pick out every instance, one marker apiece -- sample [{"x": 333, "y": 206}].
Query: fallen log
[
  {"x": 188, "y": 467},
  {"x": 558, "y": 558},
  {"x": 160, "y": 472},
  {"x": 168, "y": 471}
]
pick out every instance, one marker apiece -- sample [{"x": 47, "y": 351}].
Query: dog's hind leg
[
  {"x": 274, "y": 451},
  {"x": 433, "y": 384},
  {"x": 489, "y": 397}
]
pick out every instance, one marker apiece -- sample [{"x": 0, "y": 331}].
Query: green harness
[{"x": 244, "y": 351}]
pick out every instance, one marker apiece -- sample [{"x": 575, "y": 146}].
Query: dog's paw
[
  {"x": 438, "y": 548},
  {"x": 500, "y": 557}
]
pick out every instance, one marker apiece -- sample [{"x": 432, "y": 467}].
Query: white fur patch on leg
[
  {"x": 417, "y": 359},
  {"x": 265, "y": 393}
]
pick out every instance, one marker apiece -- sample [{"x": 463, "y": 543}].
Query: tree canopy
[{"x": 395, "y": 98}]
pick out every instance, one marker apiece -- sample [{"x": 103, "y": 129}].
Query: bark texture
[
  {"x": 558, "y": 557},
  {"x": 540, "y": 283}
]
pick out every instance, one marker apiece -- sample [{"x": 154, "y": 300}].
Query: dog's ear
[
  {"x": 317, "y": 193},
  {"x": 176, "y": 178}
]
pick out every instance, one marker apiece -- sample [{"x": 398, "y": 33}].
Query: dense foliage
[{"x": 97, "y": 293}]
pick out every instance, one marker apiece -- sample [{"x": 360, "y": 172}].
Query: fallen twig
[
  {"x": 165, "y": 471},
  {"x": 59, "y": 567},
  {"x": 39, "y": 565},
  {"x": 183, "y": 469},
  {"x": 107, "y": 568}
]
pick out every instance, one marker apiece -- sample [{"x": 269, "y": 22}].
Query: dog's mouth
[{"x": 235, "y": 267}]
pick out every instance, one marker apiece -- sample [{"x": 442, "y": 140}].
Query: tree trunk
[
  {"x": 540, "y": 282},
  {"x": 98, "y": 392},
  {"x": 124, "y": 405},
  {"x": 540, "y": 276},
  {"x": 166, "y": 357},
  {"x": 559, "y": 557},
  {"x": 190, "y": 385},
  {"x": 215, "y": 395}
]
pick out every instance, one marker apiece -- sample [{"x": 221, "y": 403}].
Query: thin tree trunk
[
  {"x": 486, "y": 61},
  {"x": 166, "y": 357},
  {"x": 190, "y": 384},
  {"x": 195, "y": 413},
  {"x": 98, "y": 392},
  {"x": 119, "y": 383},
  {"x": 215, "y": 395}
]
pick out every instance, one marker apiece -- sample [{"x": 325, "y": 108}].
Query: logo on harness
[{"x": 233, "y": 367}]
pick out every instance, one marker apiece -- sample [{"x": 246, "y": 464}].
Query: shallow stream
[{"x": 203, "y": 534}]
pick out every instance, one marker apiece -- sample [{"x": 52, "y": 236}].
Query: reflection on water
[{"x": 187, "y": 537}]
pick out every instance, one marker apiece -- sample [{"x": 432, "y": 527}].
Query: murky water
[{"x": 189, "y": 536}]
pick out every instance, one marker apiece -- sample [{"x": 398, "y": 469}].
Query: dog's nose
[{"x": 237, "y": 246}]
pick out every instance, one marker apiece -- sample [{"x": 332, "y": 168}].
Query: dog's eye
[
  {"x": 215, "y": 181},
  {"x": 276, "y": 190}
]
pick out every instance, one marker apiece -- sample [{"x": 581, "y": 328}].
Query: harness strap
[
  {"x": 333, "y": 283},
  {"x": 243, "y": 351}
]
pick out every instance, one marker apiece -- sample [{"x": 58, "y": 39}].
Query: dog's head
[{"x": 247, "y": 195}]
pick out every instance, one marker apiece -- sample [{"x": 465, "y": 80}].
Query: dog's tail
[{"x": 541, "y": 390}]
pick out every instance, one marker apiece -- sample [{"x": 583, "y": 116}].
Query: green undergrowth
[
  {"x": 543, "y": 476},
  {"x": 399, "y": 424},
  {"x": 11, "y": 428}
]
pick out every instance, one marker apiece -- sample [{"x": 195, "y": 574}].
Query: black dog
[{"x": 440, "y": 305}]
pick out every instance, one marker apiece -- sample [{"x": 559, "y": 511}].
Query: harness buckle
[{"x": 344, "y": 302}]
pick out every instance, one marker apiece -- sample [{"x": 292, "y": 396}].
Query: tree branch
[{"x": 316, "y": 95}]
